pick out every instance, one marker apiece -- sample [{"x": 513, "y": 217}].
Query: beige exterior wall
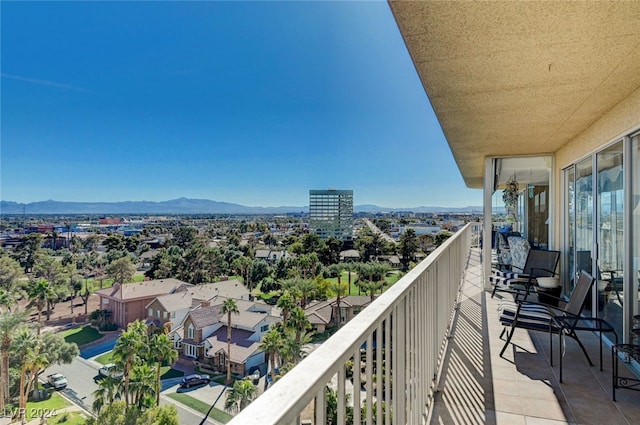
[{"x": 623, "y": 119}]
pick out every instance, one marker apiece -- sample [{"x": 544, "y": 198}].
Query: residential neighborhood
[{"x": 237, "y": 299}]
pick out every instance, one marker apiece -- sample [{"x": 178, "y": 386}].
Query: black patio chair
[
  {"x": 521, "y": 314},
  {"x": 539, "y": 263}
]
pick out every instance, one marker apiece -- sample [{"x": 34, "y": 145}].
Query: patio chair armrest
[
  {"x": 572, "y": 322},
  {"x": 552, "y": 309}
]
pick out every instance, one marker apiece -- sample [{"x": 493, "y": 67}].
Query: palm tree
[
  {"x": 286, "y": 304},
  {"x": 339, "y": 289},
  {"x": 127, "y": 349},
  {"x": 363, "y": 270},
  {"x": 39, "y": 294},
  {"x": 228, "y": 307},
  {"x": 240, "y": 396},
  {"x": 272, "y": 344},
  {"x": 143, "y": 386},
  {"x": 308, "y": 289},
  {"x": 27, "y": 348},
  {"x": 161, "y": 347},
  {"x": 7, "y": 299},
  {"x": 371, "y": 287},
  {"x": 9, "y": 323},
  {"x": 109, "y": 390},
  {"x": 349, "y": 267},
  {"x": 299, "y": 322},
  {"x": 293, "y": 347}
]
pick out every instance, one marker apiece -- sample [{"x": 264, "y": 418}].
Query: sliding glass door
[{"x": 595, "y": 238}]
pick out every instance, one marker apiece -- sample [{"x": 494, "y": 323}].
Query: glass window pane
[
  {"x": 635, "y": 173},
  {"x": 610, "y": 235}
]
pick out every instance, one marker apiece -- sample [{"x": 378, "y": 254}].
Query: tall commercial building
[{"x": 331, "y": 213}]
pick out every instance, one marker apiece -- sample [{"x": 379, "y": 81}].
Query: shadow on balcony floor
[{"x": 477, "y": 386}]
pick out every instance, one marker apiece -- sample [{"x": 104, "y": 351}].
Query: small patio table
[{"x": 633, "y": 352}]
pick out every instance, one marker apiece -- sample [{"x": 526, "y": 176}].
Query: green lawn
[
  {"x": 52, "y": 405},
  {"x": 105, "y": 358},
  {"x": 216, "y": 414},
  {"x": 167, "y": 372},
  {"x": 68, "y": 418},
  {"x": 81, "y": 335}
]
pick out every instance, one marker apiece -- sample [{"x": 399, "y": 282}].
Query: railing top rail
[{"x": 282, "y": 402}]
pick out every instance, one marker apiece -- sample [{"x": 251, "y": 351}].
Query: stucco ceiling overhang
[{"x": 520, "y": 78}]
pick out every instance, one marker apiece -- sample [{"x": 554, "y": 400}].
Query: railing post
[{"x": 410, "y": 322}]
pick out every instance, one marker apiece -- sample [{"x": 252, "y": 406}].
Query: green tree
[
  {"x": 48, "y": 349},
  {"x": 194, "y": 264},
  {"x": 271, "y": 344},
  {"x": 308, "y": 288},
  {"x": 339, "y": 289},
  {"x": 114, "y": 242},
  {"x": 307, "y": 265},
  {"x": 25, "y": 347},
  {"x": 242, "y": 266},
  {"x": 370, "y": 287},
  {"x": 10, "y": 275},
  {"x": 10, "y": 321},
  {"x": 161, "y": 415},
  {"x": 184, "y": 236},
  {"x": 39, "y": 293},
  {"x": 311, "y": 243},
  {"x": 229, "y": 307},
  {"x": 143, "y": 386},
  {"x": 128, "y": 350},
  {"x": 299, "y": 322},
  {"x": 332, "y": 407},
  {"x": 27, "y": 250},
  {"x": 118, "y": 413},
  {"x": 441, "y": 237},
  {"x": 259, "y": 271},
  {"x": 286, "y": 303},
  {"x": 240, "y": 395},
  {"x": 109, "y": 390},
  {"x": 121, "y": 270},
  {"x": 408, "y": 245},
  {"x": 294, "y": 347},
  {"x": 330, "y": 251},
  {"x": 161, "y": 347}
]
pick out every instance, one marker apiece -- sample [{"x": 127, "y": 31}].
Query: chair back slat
[
  {"x": 579, "y": 295},
  {"x": 542, "y": 263}
]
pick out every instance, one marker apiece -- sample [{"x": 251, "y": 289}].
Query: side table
[{"x": 631, "y": 350}]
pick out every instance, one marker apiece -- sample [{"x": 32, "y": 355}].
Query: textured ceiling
[{"x": 520, "y": 78}]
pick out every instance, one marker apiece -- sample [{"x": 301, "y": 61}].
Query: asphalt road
[{"x": 81, "y": 386}]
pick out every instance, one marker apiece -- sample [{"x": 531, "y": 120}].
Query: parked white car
[
  {"x": 57, "y": 380},
  {"x": 110, "y": 370}
]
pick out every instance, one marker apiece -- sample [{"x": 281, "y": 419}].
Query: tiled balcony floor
[{"x": 479, "y": 387}]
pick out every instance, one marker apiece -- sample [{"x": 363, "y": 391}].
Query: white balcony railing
[{"x": 409, "y": 323}]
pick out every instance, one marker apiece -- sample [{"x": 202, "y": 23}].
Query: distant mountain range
[{"x": 186, "y": 206}]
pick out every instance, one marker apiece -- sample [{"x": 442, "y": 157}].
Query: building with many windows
[{"x": 331, "y": 213}]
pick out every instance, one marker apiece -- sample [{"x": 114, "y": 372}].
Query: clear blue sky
[{"x": 247, "y": 102}]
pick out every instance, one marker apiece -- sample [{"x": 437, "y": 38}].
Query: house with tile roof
[
  {"x": 203, "y": 333},
  {"x": 270, "y": 256},
  {"x": 324, "y": 314},
  {"x": 172, "y": 308},
  {"x": 127, "y": 303}
]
